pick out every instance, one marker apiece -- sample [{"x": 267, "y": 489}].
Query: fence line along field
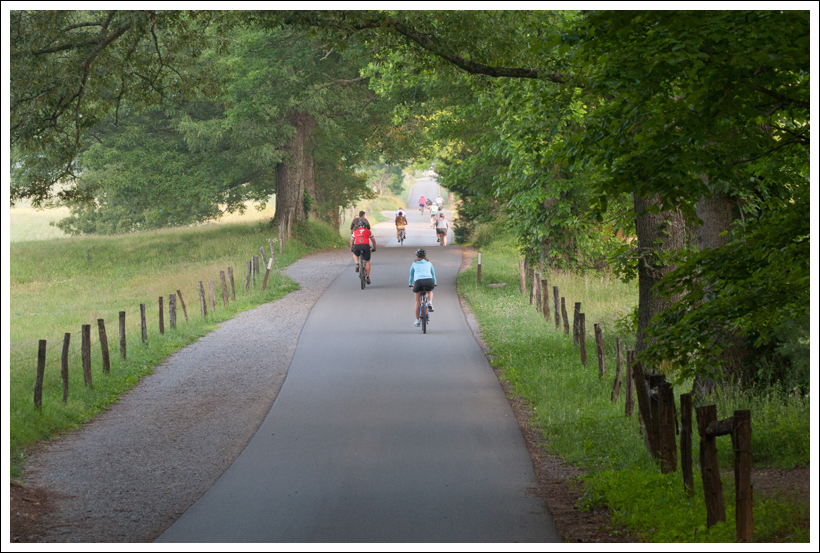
[{"x": 59, "y": 285}]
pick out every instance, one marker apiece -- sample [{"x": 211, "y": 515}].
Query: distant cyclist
[
  {"x": 441, "y": 229},
  {"x": 422, "y": 203},
  {"x": 360, "y": 245},
  {"x": 439, "y": 202},
  {"x": 422, "y": 276},
  {"x": 433, "y": 214},
  {"x": 401, "y": 222},
  {"x": 354, "y": 224}
]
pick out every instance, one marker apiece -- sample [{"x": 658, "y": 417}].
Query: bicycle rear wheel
[
  {"x": 362, "y": 273},
  {"x": 402, "y": 237},
  {"x": 423, "y": 317}
]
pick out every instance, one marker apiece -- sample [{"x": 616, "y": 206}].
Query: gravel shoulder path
[{"x": 128, "y": 475}]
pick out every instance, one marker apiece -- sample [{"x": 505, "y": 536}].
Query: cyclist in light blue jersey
[{"x": 422, "y": 276}]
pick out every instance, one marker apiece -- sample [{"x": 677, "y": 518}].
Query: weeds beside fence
[{"x": 580, "y": 414}]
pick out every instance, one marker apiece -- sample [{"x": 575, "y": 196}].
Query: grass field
[
  {"x": 572, "y": 408},
  {"x": 58, "y": 285}
]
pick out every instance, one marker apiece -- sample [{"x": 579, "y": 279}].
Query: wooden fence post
[
  {"x": 267, "y": 274},
  {"x": 564, "y": 314},
  {"x": 686, "y": 443},
  {"x": 224, "y": 288},
  {"x": 290, "y": 218},
  {"x": 272, "y": 252},
  {"x": 41, "y": 371},
  {"x": 599, "y": 349},
  {"x": 212, "y": 295},
  {"x": 478, "y": 272},
  {"x": 182, "y": 303},
  {"x": 557, "y": 306},
  {"x": 582, "y": 337},
  {"x": 64, "y": 366},
  {"x": 522, "y": 284},
  {"x": 143, "y": 323},
  {"x": 247, "y": 276},
  {"x": 539, "y": 300},
  {"x": 104, "y": 346},
  {"x": 666, "y": 425},
  {"x": 122, "y": 334},
  {"x": 742, "y": 444},
  {"x": 629, "y": 392},
  {"x": 203, "y": 308},
  {"x": 545, "y": 299},
  {"x": 531, "y": 276},
  {"x": 576, "y": 313},
  {"x": 616, "y": 386},
  {"x": 643, "y": 403},
  {"x": 709, "y": 468},
  {"x": 161, "y": 317},
  {"x": 85, "y": 351},
  {"x": 172, "y": 310},
  {"x": 233, "y": 287},
  {"x": 254, "y": 269}
]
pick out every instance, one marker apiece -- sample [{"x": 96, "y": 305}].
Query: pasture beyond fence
[{"x": 658, "y": 415}]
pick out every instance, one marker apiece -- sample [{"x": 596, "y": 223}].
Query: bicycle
[
  {"x": 424, "y": 313},
  {"x": 363, "y": 270},
  {"x": 421, "y": 209},
  {"x": 400, "y": 235}
]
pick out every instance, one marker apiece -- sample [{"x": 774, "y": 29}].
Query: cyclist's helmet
[
  {"x": 421, "y": 253},
  {"x": 362, "y": 223}
]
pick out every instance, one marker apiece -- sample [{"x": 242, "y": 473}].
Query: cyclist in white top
[
  {"x": 439, "y": 201},
  {"x": 433, "y": 214},
  {"x": 441, "y": 229}
]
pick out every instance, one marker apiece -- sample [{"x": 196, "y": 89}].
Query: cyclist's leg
[{"x": 418, "y": 306}]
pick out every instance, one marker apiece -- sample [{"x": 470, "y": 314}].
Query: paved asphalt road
[{"x": 380, "y": 433}]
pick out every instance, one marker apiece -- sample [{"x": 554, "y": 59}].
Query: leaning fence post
[
  {"x": 41, "y": 370},
  {"x": 224, "y": 288},
  {"x": 629, "y": 392},
  {"x": 281, "y": 235},
  {"x": 545, "y": 300},
  {"x": 742, "y": 444},
  {"x": 272, "y": 252},
  {"x": 582, "y": 336},
  {"x": 666, "y": 425},
  {"x": 522, "y": 284},
  {"x": 212, "y": 295},
  {"x": 654, "y": 413},
  {"x": 254, "y": 269},
  {"x": 85, "y": 351},
  {"x": 536, "y": 283},
  {"x": 616, "y": 386},
  {"x": 64, "y": 366},
  {"x": 531, "y": 275},
  {"x": 478, "y": 273},
  {"x": 686, "y": 443},
  {"x": 247, "y": 276},
  {"x": 122, "y": 334},
  {"x": 599, "y": 349},
  {"x": 233, "y": 287},
  {"x": 267, "y": 274},
  {"x": 182, "y": 302},
  {"x": 643, "y": 403},
  {"x": 203, "y": 308},
  {"x": 557, "y": 307},
  {"x": 262, "y": 255},
  {"x": 104, "y": 346},
  {"x": 564, "y": 314},
  {"x": 161, "y": 317},
  {"x": 143, "y": 323},
  {"x": 172, "y": 310},
  {"x": 709, "y": 468}
]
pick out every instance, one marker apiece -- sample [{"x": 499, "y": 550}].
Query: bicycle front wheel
[
  {"x": 362, "y": 274},
  {"x": 423, "y": 318}
]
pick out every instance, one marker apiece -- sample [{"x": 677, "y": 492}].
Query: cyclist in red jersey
[{"x": 360, "y": 245}]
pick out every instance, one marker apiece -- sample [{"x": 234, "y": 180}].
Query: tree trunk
[
  {"x": 656, "y": 234},
  {"x": 718, "y": 213},
  {"x": 290, "y": 173}
]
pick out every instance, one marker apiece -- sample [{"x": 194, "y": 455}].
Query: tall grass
[
  {"x": 58, "y": 285},
  {"x": 578, "y": 421}
]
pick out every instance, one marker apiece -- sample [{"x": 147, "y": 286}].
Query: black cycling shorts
[
  {"x": 423, "y": 284},
  {"x": 362, "y": 250},
  {"x": 441, "y": 231}
]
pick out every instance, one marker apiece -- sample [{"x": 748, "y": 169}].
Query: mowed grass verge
[
  {"x": 57, "y": 286},
  {"x": 572, "y": 408}
]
